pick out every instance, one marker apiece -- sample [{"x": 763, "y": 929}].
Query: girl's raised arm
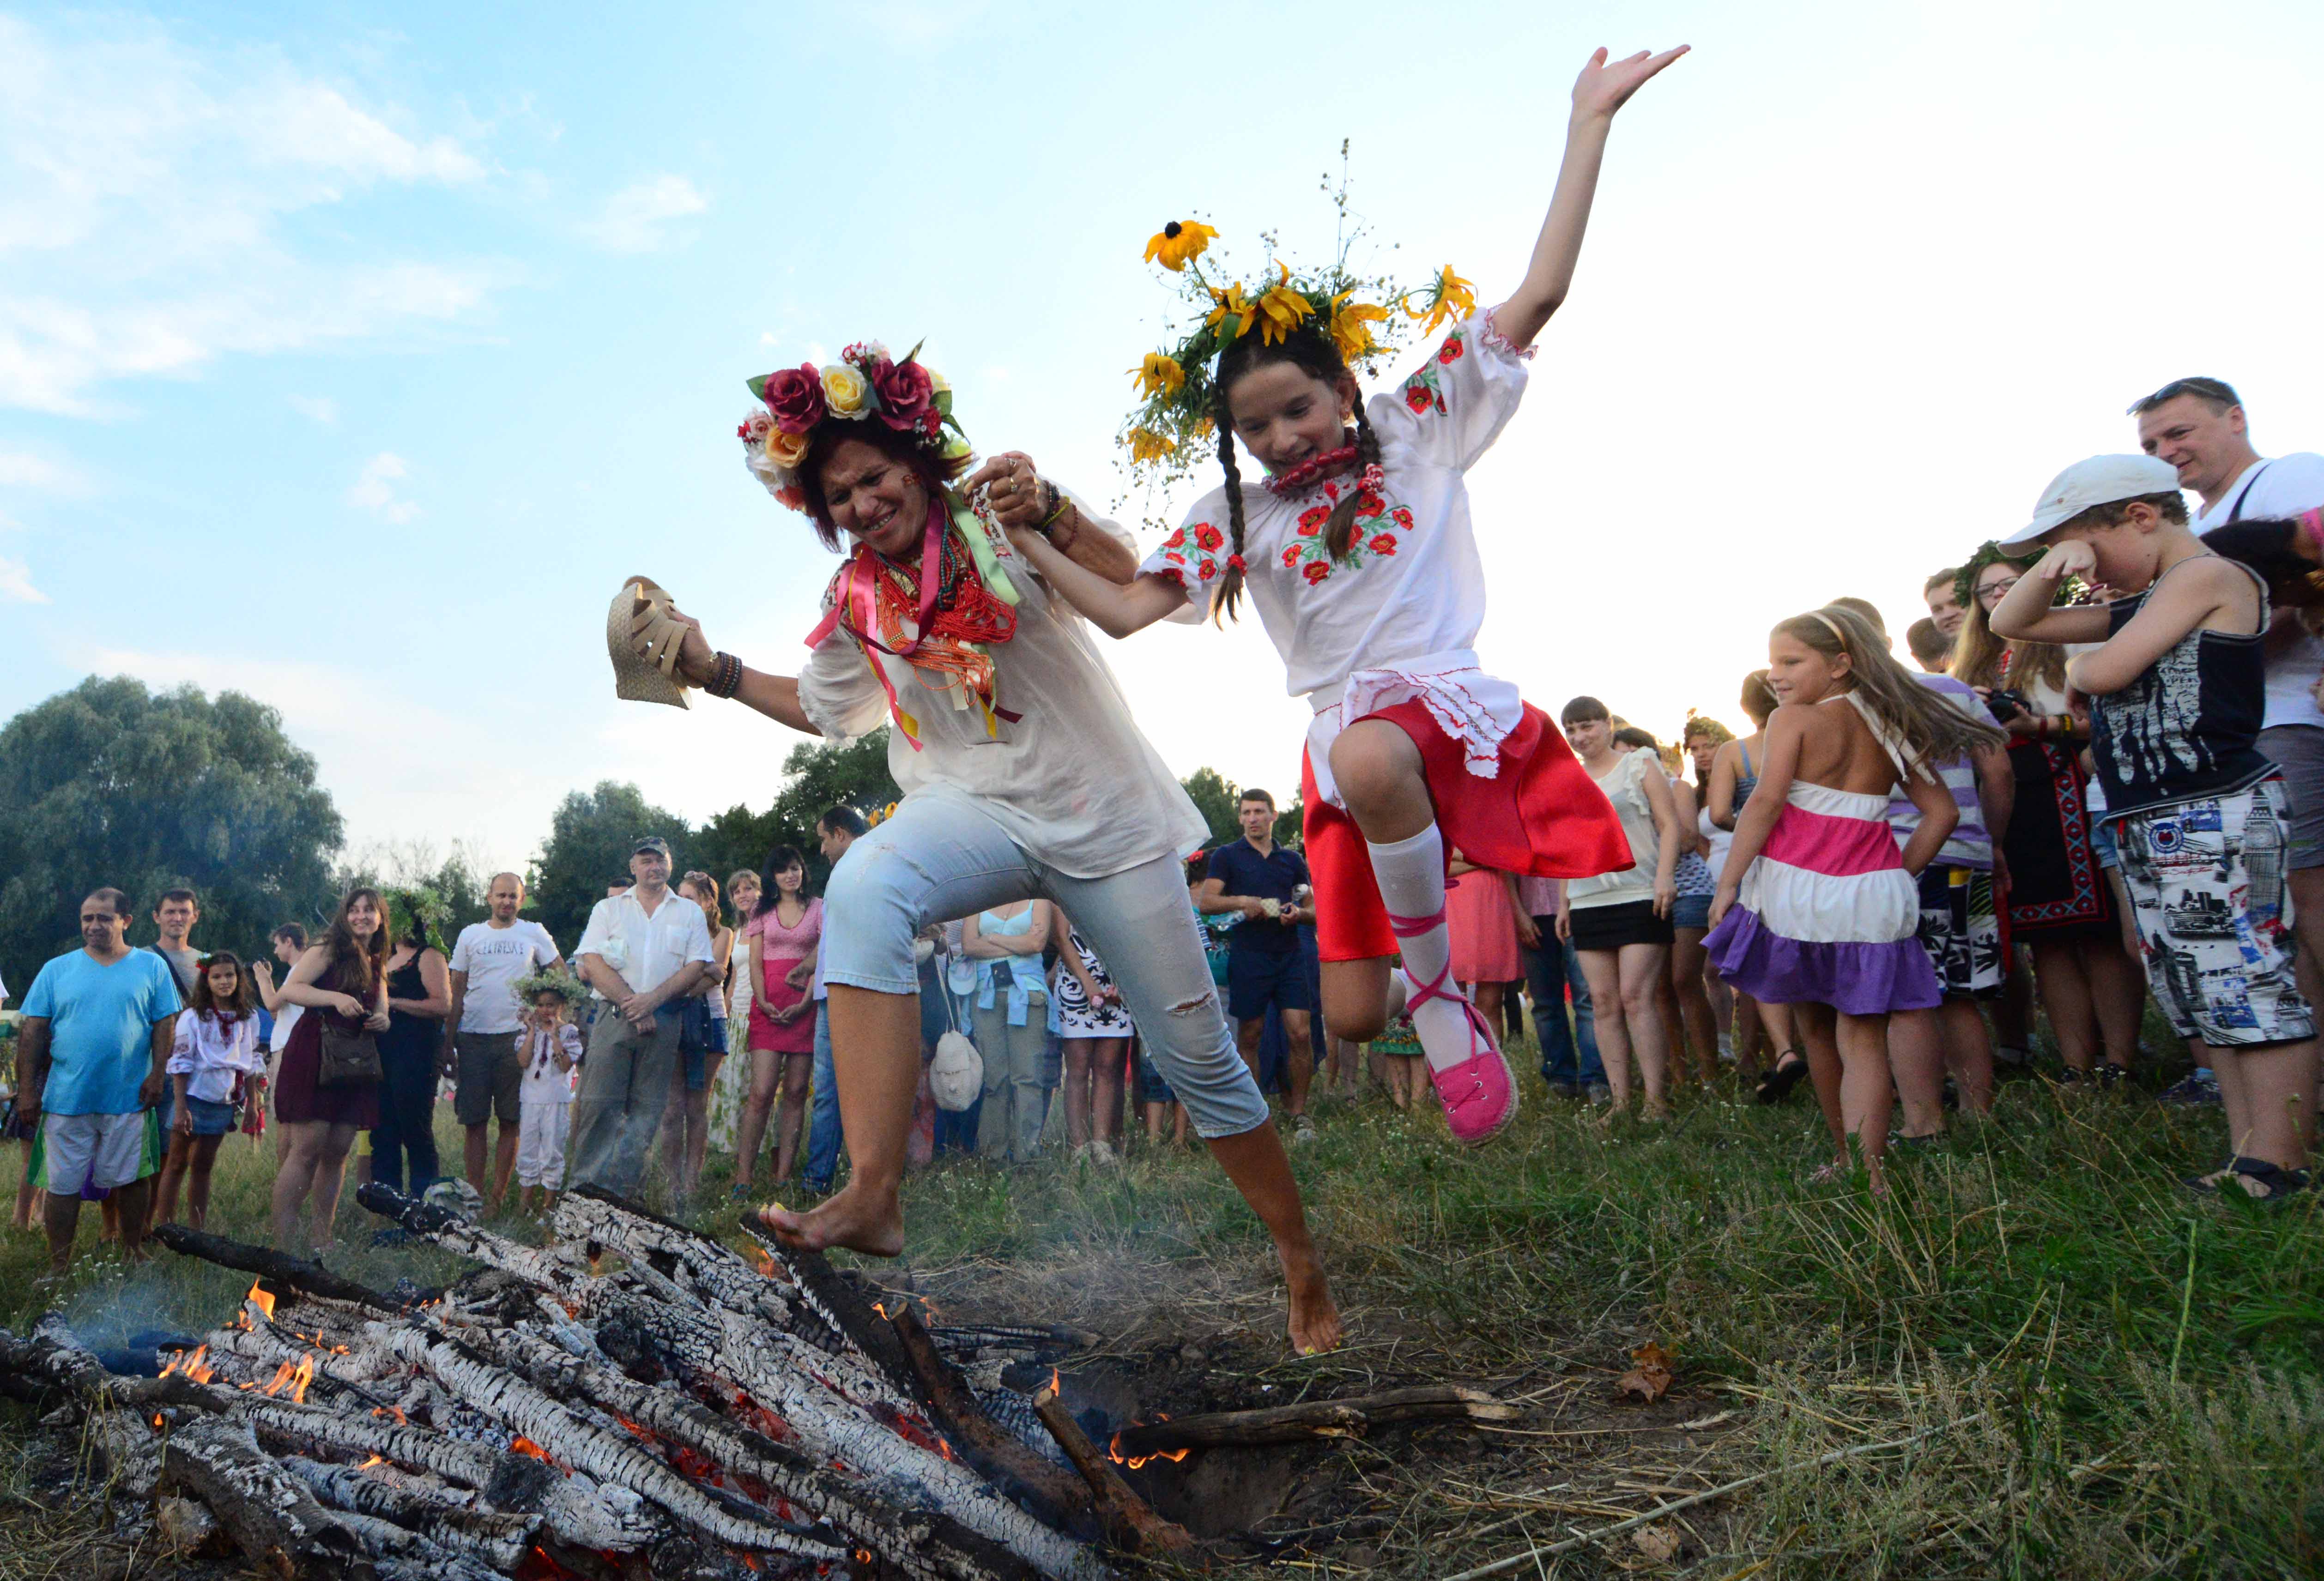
[
  {"x": 1600, "y": 91},
  {"x": 2025, "y": 613},
  {"x": 1117, "y": 609}
]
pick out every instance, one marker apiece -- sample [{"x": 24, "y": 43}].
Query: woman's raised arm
[{"x": 1116, "y": 609}]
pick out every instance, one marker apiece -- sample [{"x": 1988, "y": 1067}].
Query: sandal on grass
[
  {"x": 1776, "y": 1084},
  {"x": 2269, "y": 1182}
]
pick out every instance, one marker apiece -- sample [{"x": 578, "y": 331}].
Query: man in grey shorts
[{"x": 491, "y": 958}]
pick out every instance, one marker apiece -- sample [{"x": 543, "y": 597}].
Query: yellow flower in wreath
[
  {"x": 1158, "y": 375},
  {"x": 1146, "y": 445},
  {"x": 1351, "y": 326},
  {"x": 1281, "y": 308},
  {"x": 1450, "y": 297},
  {"x": 1178, "y": 244},
  {"x": 1230, "y": 304}
]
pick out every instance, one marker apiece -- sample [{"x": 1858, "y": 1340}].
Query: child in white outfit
[{"x": 552, "y": 1052}]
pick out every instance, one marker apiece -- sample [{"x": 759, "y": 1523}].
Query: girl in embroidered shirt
[
  {"x": 1363, "y": 562},
  {"x": 1816, "y": 907},
  {"x": 215, "y": 1062}
]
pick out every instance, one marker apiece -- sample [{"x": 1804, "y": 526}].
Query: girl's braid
[
  {"x": 1339, "y": 531},
  {"x": 1228, "y": 593}
]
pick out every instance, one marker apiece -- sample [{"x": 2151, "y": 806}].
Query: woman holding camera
[{"x": 2057, "y": 903}]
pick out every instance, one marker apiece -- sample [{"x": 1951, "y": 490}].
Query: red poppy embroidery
[
  {"x": 1452, "y": 349},
  {"x": 1175, "y": 559},
  {"x": 1210, "y": 569},
  {"x": 1384, "y": 544},
  {"x": 1401, "y": 516},
  {"x": 1316, "y": 571},
  {"x": 1177, "y": 540},
  {"x": 1290, "y": 556},
  {"x": 1209, "y": 536},
  {"x": 1416, "y": 397},
  {"x": 1313, "y": 517},
  {"x": 1370, "y": 504}
]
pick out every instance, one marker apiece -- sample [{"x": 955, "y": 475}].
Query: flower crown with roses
[
  {"x": 1177, "y": 413},
  {"x": 865, "y": 385}
]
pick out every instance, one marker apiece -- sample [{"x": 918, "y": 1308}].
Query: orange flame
[
  {"x": 524, "y": 1446},
  {"x": 264, "y": 1300},
  {"x": 394, "y": 1411},
  {"x": 1113, "y": 1448},
  {"x": 374, "y": 1460},
  {"x": 879, "y": 1307},
  {"x": 766, "y": 1260},
  {"x": 158, "y": 1423},
  {"x": 189, "y": 1364},
  {"x": 283, "y": 1374},
  {"x": 306, "y": 1375}
]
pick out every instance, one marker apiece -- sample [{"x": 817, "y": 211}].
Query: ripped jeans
[{"x": 943, "y": 857}]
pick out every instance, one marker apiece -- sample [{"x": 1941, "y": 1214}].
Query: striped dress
[{"x": 1828, "y": 915}]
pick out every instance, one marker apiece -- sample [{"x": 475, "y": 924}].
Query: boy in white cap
[{"x": 2200, "y": 813}]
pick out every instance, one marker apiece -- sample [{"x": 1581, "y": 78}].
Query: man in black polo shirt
[{"x": 1269, "y": 886}]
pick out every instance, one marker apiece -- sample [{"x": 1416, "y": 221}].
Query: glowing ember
[
  {"x": 262, "y": 1299},
  {"x": 879, "y": 1307},
  {"x": 524, "y": 1446},
  {"x": 766, "y": 1261},
  {"x": 189, "y": 1364},
  {"x": 158, "y": 1423},
  {"x": 1113, "y": 1448},
  {"x": 374, "y": 1460}
]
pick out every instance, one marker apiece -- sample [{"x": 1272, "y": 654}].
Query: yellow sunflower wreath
[{"x": 1174, "y": 425}]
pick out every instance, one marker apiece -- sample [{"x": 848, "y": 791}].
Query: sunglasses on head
[{"x": 2209, "y": 389}]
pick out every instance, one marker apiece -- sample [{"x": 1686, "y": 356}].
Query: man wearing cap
[
  {"x": 643, "y": 949},
  {"x": 2200, "y": 813},
  {"x": 2197, "y": 425}
]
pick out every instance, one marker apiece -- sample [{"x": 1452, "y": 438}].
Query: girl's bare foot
[
  {"x": 1314, "y": 1320},
  {"x": 857, "y": 1218}
]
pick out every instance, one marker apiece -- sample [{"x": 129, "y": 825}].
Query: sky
[{"x": 352, "y": 356}]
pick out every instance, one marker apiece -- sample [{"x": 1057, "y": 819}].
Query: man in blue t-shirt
[
  {"x": 1268, "y": 889},
  {"x": 95, "y": 1040}
]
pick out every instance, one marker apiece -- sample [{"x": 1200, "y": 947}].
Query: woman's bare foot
[
  {"x": 857, "y": 1218},
  {"x": 1314, "y": 1320}
]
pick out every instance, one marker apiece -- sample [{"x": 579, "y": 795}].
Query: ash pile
[{"x": 634, "y": 1399}]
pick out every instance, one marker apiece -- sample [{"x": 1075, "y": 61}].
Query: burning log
[
  {"x": 1314, "y": 1419},
  {"x": 277, "y": 1268},
  {"x": 1129, "y": 1520},
  {"x": 268, "y": 1512},
  {"x": 507, "y": 1398},
  {"x": 839, "y": 1304},
  {"x": 1045, "y": 1486},
  {"x": 453, "y": 1520},
  {"x": 560, "y": 1275}
]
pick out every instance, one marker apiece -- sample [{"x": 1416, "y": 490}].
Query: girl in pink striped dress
[{"x": 1816, "y": 907}]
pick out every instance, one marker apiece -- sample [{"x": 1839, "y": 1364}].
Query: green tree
[
  {"x": 1213, "y": 796},
  {"x": 108, "y": 784},
  {"x": 590, "y": 839},
  {"x": 816, "y": 775}
]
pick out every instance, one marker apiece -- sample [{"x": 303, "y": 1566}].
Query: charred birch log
[
  {"x": 1129, "y": 1520},
  {"x": 387, "y": 1540},
  {"x": 268, "y": 1512},
  {"x": 502, "y": 1395},
  {"x": 590, "y": 1214},
  {"x": 277, "y": 1268},
  {"x": 1313, "y": 1418},
  {"x": 560, "y": 1275},
  {"x": 452, "y": 1519},
  {"x": 1046, "y": 1487},
  {"x": 843, "y": 1306},
  {"x": 308, "y": 1428},
  {"x": 925, "y": 1545},
  {"x": 126, "y": 1452}
]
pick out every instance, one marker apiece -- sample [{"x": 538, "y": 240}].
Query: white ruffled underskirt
[{"x": 1475, "y": 709}]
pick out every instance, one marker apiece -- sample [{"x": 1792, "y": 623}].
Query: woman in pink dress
[
  {"x": 1483, "y": 921},
  {"x": 781, "y": 1040}
]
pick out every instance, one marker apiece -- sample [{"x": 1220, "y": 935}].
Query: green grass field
[{"x": 2121, "y": 1381}]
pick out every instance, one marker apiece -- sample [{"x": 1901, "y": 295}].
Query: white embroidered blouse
[
  {"x": 1398, "y": 619},
  {"x": 208, "y": 1053},
  {"x": 1072, "y": 779}
]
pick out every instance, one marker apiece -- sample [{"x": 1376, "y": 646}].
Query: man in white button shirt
[
  {"x": 642, "y": 951},
  {"x": 2197, "y": 425}
]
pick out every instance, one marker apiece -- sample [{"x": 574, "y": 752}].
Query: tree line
[{"x": 110, "y": 783}]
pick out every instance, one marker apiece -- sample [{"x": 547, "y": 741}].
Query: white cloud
[
  {"x": 320, "y": 409},
  {"x": 636, "y": 219},
  {"x": 22, "y": 469},
  {"x": 375, "y": 490},
  {"x": 16, "y": 583},
  {"x": 150, "y": 187}
]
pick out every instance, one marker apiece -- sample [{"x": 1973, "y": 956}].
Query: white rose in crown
[{"x": 843, "y": 391}]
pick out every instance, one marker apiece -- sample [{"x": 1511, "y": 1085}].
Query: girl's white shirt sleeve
[{"x": 209, "y": 1056}]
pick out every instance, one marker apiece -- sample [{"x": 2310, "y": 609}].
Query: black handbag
[{"x": 348, "y": 1058}]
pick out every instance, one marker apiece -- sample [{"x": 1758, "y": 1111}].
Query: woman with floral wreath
[
  {"x": 2057, "y": 902},
  {"x": 1024, "y": 776}
]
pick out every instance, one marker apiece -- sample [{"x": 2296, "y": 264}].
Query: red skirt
[{"x": 1541, "y": 817}]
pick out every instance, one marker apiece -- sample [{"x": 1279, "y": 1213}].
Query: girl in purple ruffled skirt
[{"x": 1816, "y": 906}]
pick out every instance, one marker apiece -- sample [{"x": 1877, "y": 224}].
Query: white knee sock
[{"x": 1411, "y": 876}]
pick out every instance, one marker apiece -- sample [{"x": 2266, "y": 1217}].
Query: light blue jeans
[
  {"x": 942, "y": 856},
  {"x": 823, "y": 1126}
]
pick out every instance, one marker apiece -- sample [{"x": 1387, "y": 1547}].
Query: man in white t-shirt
[
  {"x": 644, "y": 951},
  {"x": 490, "y": 959},
  {"x": 2197, "y": 425}
]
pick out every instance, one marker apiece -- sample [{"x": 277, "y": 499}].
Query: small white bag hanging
[{"x": 956, "y": 1074}]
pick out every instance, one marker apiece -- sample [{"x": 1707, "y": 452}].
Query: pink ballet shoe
[{"x": 1478, "y": 1094}]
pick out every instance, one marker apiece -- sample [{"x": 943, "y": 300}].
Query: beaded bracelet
[{"x": 726, "y": 676}]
